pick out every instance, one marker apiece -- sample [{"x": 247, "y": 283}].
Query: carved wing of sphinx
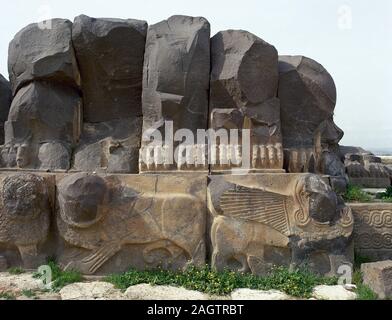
[{"x": 257, "y": 205}]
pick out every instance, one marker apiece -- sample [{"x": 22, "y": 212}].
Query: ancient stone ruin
[{"x": 84, "y": 179}]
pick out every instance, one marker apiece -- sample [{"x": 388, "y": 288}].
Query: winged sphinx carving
[{"x": 248, "y": 222}]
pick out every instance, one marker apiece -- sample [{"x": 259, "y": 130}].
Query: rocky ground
[{"x": 25, "y": 287}]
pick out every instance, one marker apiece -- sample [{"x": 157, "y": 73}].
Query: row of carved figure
[
  {"x": 84, "y": 92},
  {"x": 100, "y": 224}
]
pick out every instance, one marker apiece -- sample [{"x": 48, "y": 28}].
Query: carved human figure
[
  {"x": 25, "y": 215},
  {"x": 104, "y": 215}
]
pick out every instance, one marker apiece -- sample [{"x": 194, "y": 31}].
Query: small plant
[
  {"x": 60, "y": 278},
  {"x": 386, "y": 196},
  {"x": 7, "y": 296},
  {"x": 16, "y": 271},
  {"x": 356, "y": 194},
  {"x": 363, "y": 292},
  {"x": 298, "y": 283},
  {"x": 29, "y": 293}
]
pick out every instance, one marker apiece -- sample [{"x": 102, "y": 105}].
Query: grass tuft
[
  {"x": 356, "y": 194},
  {"x": 363, "y": 291},
  {"x": 16, "y": 271},
  {"x": 7, "y": 296},
  {"x": 60, "y": 278},
  {"x": 386, "y": 196},
  {"x": 299, "y": 283}
]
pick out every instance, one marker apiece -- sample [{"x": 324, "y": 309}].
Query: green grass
[
  {"x": 7, "y": 296},
  {"x": 386, "y": 196},
  {"x": 356, "y": 194},
  {"x": 363, "y": 291},
  {"x": 29, "y": 293},
  {"x": 16, "y": 271},
  {"x": 61, "y": 278},
  {"x": 299, "y": 283}
]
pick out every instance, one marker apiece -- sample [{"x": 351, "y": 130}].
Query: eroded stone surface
[
  {"x": 43, "y": 51},
  {"x": 244, "y": 83},
  {"x": 307, "y": 95},
  {"x": 259, "y": 295},
  {"x": 111, "y": 146},
  {"x": 333, "y": 293},
  {"x": 176, "y": 80},
  {"x": 112, "y": 223},
  {"x": 42, "y": 127},
  {"x": 149, "y": 292},
  {"x": 262, "y": 220},
  {"x": 90, "y": 291},
  {"x": 15, "y": 284},
  {"x": 378, "y": 276},
  {"x": 25, "y": 209},
  {"x": 110, "y": 54}
]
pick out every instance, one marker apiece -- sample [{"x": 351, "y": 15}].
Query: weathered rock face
[
  {"x": 5, "y": 104},
  {"x": 115, "y": 222},
  {"x": 176, "y": 78},
  {"x": 43, "y": 53},
  {"x": 110, "y": 54},
  {"x": 307, "y": 94},
  {"x": 42, "y": 127},
  {"x": 378, "y": 276},
  {"x": 365, "y": 169},
  {"x": 262, "y": 220},
  {"x": 373, "y": 230},
  {"x": 244, "y": 84},
  {"x": 111, "y": 146},
  {"x": 25, "y": 209}
]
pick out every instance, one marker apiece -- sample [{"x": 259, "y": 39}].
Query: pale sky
[{"x": 351, "y": 39}]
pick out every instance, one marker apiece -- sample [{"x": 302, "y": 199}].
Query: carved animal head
[{"x": 82, "y": 200}]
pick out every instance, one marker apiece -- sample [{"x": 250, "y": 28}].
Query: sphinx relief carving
[
  {"x": 163, "y": 218},
  {"x": 265, "y": 220}
]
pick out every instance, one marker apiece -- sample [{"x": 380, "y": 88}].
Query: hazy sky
[{"x": 351, "y": 38}]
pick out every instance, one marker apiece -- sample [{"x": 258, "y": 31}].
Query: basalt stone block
[
  {"x": 110, "y": 54},
  {"x": 43, "y": 51},
  {"x": 244, "y": 84},
  {"x": 5, "y": 104},
  {"x": 378, "y": 277},
  {"x": 307, "y": 94},
  {"x": 26, "y": 204},
  {"x": 111, "y": 223},
  {"x": 176, "y": 76},
  {"x": 373, "y": 230},
  {"x": 111, "y": 146},
  {"x": 367, "y": 170},
  {"x": 263, "y": 220},
  {"x": 43, "y": 126},
  {"x": 244, "y": 70}
]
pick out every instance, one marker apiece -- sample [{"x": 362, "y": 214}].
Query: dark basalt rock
[
  {"x": 5, "y": 104},
  {"x": 176, "y": 73},
  {"x": 110, "y": 54},
  {"x": 43, "y": 117},
  {"x": 38, "y": 53}
]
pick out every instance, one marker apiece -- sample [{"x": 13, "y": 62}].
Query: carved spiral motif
[
  {"x": 377, "y": 219},
  {"x": 301, "y": 218},
  {"x": 374, "y": 240},
  {"x": 347, "y": 219}
]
